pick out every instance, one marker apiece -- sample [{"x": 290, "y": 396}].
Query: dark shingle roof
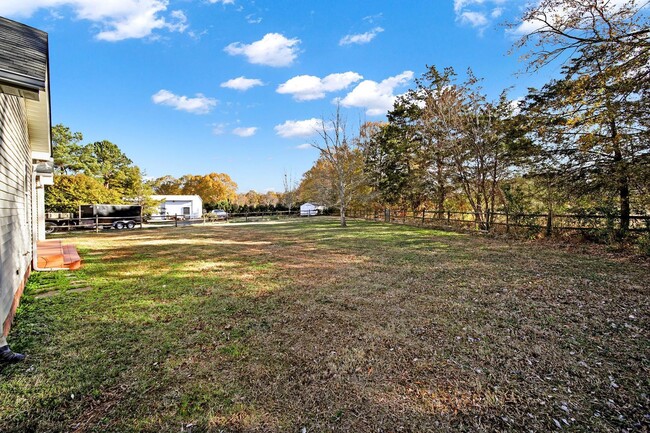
[{"x": 23, "y": 55}]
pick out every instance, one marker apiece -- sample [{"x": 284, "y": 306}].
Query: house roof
[{"x": 23, "y": 57}]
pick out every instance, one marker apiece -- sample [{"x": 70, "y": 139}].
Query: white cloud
[
  {"x": 475, "y": 19},
  {"x": 376, "y": 98},
  {"x": 496, "y": 12},
  {"x": 459, "y": 5},
  {"x": 224, "y": 2},
  {"x": 197, "y": 105},
  {"x": 371, "y": 19},
  {"x": 299, "y": 128},
  {"x": 245, "y": 132},
  {"x": 116, "y": 19},
  {"x": 304, "y": 146},
  {"x": 361, "y": 38},
  {"x": 242, "y": 83},
  {"x": 218, "y": 128},
  {"x": 251, "y": 19},
  {"x": 309, "y": 87},
  {"x": 556, "y": 14},
  {"x": 478, "y": 14},
  {"x": 272, "y": 50}
]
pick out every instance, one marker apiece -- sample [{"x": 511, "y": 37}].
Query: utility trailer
[
  {"x": 111, "y": 215},
  {"x": 95, "y": 216}
]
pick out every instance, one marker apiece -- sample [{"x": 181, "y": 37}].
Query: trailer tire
[
  {"x": 130, "y": 225},
  {"x": 118, "y": 225},
  {"x": 50, "y": 227}
]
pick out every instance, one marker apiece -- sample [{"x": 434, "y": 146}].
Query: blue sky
[{"x": 234, "y": 86}]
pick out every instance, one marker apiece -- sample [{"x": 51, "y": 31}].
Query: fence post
[
  {"x": 549, "y": 224},
  {"x": 507, "y": 222},
  {"x": 96, "y": 223},
  {"x": 246, "y": 216},
  {"x": 175, "y": 220},
  {"x": 424, "y": 214},
  {"x": 448, "y": 217}
]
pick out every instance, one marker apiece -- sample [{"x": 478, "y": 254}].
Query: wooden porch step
[
  {"x": 71, "y": 259},
  {"x": 52, "y": 254}
]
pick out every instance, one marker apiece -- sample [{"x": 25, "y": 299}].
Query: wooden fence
[{"x": 504, "y": 222}]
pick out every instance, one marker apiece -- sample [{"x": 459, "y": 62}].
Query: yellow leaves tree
[
  {"x": 166, "y": 185},
  {"x": 71, "y": 190},
  {"x": 317, "y": 186},
  {"x": 212, "y": 188}
]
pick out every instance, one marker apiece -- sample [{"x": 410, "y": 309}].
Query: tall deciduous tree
[
  {"x": 70, "y": 191},
  {"x": 106, "y": 162},
  {"x": 593, "y": 122},
  {"x": 317, "y": 184},
  {"x": 117, "y": 179},
  {"x": 212, "y": 188},
  {"x": 443, "y": 136},
  {"x": 289, "y": 193},
  {"x": 166, "y": 185},
  {"x": 342, "y": 154},
  {"x": 66, "y": 150}
]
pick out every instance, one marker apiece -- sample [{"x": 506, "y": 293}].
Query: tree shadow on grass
[{"x": 279, "y": 328}]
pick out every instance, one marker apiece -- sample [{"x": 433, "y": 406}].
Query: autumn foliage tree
[
  {"x": 341, "y": 156},
  {"x": 212, "y": 187},
  {"x": 592, "y": 122},
  {"x": 97, "y": 172},
  {"x": 71, "y": 190},
  {"x": 444, "y": 137}
]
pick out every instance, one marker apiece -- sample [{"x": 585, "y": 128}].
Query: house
[
  {"x": 25, "y": 157},
  {"x": 311, "y": 209},
  {"x": 187, "y": 206}
]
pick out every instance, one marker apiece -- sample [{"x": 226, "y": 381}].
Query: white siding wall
[
  {"x": 174, "y": 206},
  {"x": 15, "y": 200}
]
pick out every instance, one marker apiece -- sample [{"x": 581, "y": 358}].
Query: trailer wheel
[
  {"x": 118, "y": 225},
  {"x": 50, "y": 227},
  {"x": 130, "y": 225}
]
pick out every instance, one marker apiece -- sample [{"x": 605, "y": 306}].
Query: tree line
[
  {"x": 100, "y": 172},
  {"x": 97, "y": 172},
  {"x": 578, "y": 144}
]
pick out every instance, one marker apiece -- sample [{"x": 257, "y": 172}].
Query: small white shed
[
  {"x": 187, "y": 206},
  {"x": 311, "y": 209}
]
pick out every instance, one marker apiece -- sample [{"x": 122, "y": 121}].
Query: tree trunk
[
  {"x": 549, "y": 209},
  {"x": 441, "y": 186},
  {"x": 623, "y": 183},
  {"x": 624, "y": 199},
  {"x": 343, "y": 223}
]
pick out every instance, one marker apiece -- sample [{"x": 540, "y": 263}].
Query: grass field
[{"x": 307, "y": 327}]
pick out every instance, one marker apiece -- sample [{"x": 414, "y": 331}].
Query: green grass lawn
[{"x": 277, "y": 327}]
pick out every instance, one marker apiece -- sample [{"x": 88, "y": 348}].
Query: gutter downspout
[{"x": 35, "y": 266}]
